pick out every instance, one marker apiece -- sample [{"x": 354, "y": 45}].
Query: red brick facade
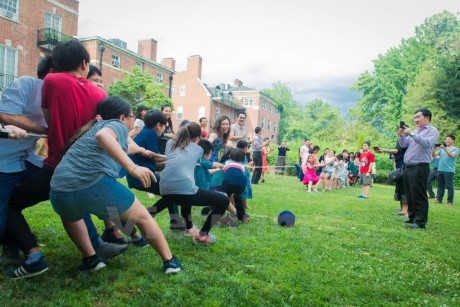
[{"x": 18, "y": 31}]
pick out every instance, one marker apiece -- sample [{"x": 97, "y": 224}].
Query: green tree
[{"x": 140, "y": 88}]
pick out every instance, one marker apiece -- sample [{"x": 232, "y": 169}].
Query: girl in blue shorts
[{"x": 85, "y": 182}]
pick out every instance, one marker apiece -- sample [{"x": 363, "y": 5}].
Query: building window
[
  {"x": 173, "y": 91},
  {"x": 9, "y": 9},
  {"x": 230, "y": 116},
  {"x": 179, "y": 112},
  {"x": 264, "y": 104},
  {"x": 53, "y": 21},
  {"x": 217, "y": 113},
  {"x": 141, "y": 66},
  {"x": 248, "y": 102},
  {"x": 182, "y": 90},
  {"x": 160, "y": 77},
  {"x": 274, "y": 127},
  {"x": 262, "y": 123},
  {"x": 269, "y": 126},
  {"x": 115, "y": 60},
  {"x": 201, "y": 112},
  {"x": 8, "y": 65}
]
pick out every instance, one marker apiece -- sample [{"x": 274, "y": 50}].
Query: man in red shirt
[
  {"x": 204, "y": 125},
  {"x": 365, "y": 169},
  {"x": 68, "y": 102}
]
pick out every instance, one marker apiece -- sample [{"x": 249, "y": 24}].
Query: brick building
[
  {"x": 29, "y": 30},
  {"x": 113, "y": 58},
  {"x": 194, "y": 99}
]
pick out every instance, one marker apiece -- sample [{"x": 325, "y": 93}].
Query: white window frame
[
  {"x": 159, "y": 77},
  {"x": 201, "y": 112},
  {"x": 217, "y": 112},
  {"x": 264, "y": 104},
  {"x": 262, "y": 122},
  {"x": 248, "y": 102},
  {"x": 116, "y": 61},
  {"x": 182, "y": 89},
  {"x": 53, "y": 21},
  {"x": 8, "y": 65},
  {"x": 274, "y": 127},
  {"x": 179, "y": 112},
  {"x": 173, "y": 91},
  {"x": 269, "y": 125},
  {"x": 8, "y": 11}
]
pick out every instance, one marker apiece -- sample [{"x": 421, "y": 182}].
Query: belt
[{"x": 415, "y": 165}]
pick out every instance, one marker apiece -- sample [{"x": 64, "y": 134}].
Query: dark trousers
[
  {"x": 217, "y": 201},
  {"x": 257, "y": 158},
  {"x": 236, "y": 191},
  {"x": 446, "y": 180},
  {"x": 431, "y": 177},
  {"x": 155, "y": 189},
  {"x": 415, "y": 181},
  {"x": 31, "y": 191}
]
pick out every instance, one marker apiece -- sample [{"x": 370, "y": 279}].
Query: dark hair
[
  {"x": 93, "y": 70},
  {"x": 425, "y": 112},
  {"x": 68, "y": 56},
  {"x": 257, "y": 130},
  {"x": 201, "y": 119},
  {"x": 345, "y": 151},
  {"x": 111, "y": 107},
  {"x": 352, "y": 153},
  {"x": 339, "y": 157},
  {"x": 242, "y": 112},
  {"x": 140, "y": 109},
  {"x": 226, "y": 155},
  {"x": 367, "y": 142},
  {"x": 44, "y": 67},
  {"x": 154, "y": 117},
  {"x": 169, "y": 124},
  {"x": 316, "y": 147},
  {"x": 185, "y": 135},
  {"x": 183, "y": 123},
  {"x": 358, "y": 154},
  {"x": 206, "y": 145},
  {"x": 242, "y": 144},
  {"x": 451, "y": 136},
  {"x": 216, "y": 128},
  {"x": 237, "y": 155}
]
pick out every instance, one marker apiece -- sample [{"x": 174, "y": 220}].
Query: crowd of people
[{"x": 93, "y": 139}]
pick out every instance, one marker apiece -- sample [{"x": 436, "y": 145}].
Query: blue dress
[{"x": 217, "y": 148}]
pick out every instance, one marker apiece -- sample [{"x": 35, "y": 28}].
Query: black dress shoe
[
  {"x": 409, "y": 221},
  {"x": 415, "y": 226}
]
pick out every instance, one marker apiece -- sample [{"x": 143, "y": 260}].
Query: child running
[{"x": 85, "y": 181}]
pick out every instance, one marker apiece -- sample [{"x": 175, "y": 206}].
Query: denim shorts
[{"x": 106, "y": 199}]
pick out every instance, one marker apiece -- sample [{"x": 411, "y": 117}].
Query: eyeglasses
[{"x": 129, "y": 116}]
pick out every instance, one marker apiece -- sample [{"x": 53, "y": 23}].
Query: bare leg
[
  {"x": 149, "y": 228},
  {"x": 78, "y": 233}
]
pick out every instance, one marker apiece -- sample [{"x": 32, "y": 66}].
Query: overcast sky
[{"x": 319, "y": 48}]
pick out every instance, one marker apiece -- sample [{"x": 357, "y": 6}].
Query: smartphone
[
  {"x": 402, "y": 125},
  {"x": 376, "y": 148}
]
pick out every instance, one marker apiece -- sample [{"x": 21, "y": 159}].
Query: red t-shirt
[
  {"x": 71, "y": 103},
  {"x": 204, "y": 133},
  {"x": 365, "y": 160}
]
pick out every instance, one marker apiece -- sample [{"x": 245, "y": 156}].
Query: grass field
[{"x": 341, "y": 251}]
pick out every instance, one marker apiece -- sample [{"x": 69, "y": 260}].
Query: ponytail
[
  {"x": 185, "y": 135},
  {"x": 82, "y": 130}
]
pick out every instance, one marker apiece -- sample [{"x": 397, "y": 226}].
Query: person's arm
[
  {"x": 427, "y": 140},
  {"x": 212, "y": 137},
  {"x": 22, "y": 122},
  {"x": 390, "y": 151},
  {"x": 134, "y": 132},
  {"x": 107, "y": 139},
  {"x": 450, "y": 154},
  {"x": 12, "y": 132}
]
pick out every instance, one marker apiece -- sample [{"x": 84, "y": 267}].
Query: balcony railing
[
  {"x": 48, "y": 38},
  {"x": 6, "y": 80}
]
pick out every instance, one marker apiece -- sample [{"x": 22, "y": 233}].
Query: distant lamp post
[
  {"x": 170, "y": 85},
  {"x": 101, "y": 53}
]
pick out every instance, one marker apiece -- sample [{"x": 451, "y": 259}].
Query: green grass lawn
[{"x": 341, "y": 251}]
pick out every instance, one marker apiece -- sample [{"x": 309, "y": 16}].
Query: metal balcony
[
  {"x": 6, "y": 80},
  {"x": 48, "y": 38}
]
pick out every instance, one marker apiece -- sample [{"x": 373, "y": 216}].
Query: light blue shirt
[
  {"x": 420, "y": 145},
  {"x": 446, "y": 163},
  {"x": 23, "y": 97}
]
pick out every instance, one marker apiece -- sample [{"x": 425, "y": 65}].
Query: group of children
[
  {"x": 89, "y": 145},
  {"x": 334, "y": 171}
]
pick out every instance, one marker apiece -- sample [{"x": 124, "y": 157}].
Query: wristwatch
[{"x": 412, "y": 134}]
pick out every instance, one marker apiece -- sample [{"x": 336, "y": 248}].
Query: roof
[
  {"x": 241, "y": 88},
  {"x": 125, "y": 51},
  {"x": 223, "y": 96}
]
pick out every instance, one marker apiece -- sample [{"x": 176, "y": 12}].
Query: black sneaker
[
  {"x": 10, "y": 256},
  {"x": 28, "y": 270},
  {"x": 113, "y": 236},
  {"x": 109, "y": 250},
  {"x": 172, "y": 266},
  {"x": 92, "y": 264},
  {"x": 177, "y": 224}
]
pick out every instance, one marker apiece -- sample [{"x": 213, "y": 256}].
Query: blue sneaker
[
  {"x": 140, "y": 242},
  {"x": 28, "y": 270},
  {"x": 172, "y": 266},
  {"x": 92, "y": 265}
]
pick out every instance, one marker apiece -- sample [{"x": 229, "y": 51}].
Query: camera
[
  {"x": 402, "y": 125},
  {"x": 439, "y": 144}
]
